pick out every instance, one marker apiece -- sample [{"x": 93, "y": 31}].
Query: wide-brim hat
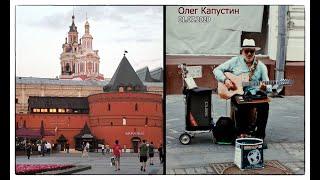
[{"x": 249, "y": 43}]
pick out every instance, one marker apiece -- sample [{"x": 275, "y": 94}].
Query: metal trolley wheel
[{"x": 185, "y": 138}]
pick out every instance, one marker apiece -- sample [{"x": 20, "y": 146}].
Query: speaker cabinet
[{"x": 198, "y": 109}]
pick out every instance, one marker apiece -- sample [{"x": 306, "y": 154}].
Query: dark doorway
[
  {"x": 135, "y": 144},
  {"x": 61, "y": 142}
]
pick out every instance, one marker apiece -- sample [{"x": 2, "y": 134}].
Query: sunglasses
[{"x": 249, "y": 50}]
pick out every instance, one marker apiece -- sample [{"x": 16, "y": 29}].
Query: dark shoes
[{"x": 141, "y": 168}]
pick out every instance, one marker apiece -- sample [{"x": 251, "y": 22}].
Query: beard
[{"x": 249, "y": 59}]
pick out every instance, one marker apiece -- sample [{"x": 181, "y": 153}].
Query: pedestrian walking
[
  {"x": 48, "y": 146},
  {"x": 143, "y": 153},
  {"x": 39, "y": 149},
  {"x": 82, "y": 147},
  {"x": 86, "y": 150},
  {"x": 160, "y": 151},
  {"x": 151, "y": 152},
  {"x": 124, "y": 148},
  {"x": 43, "y": 148},
  {"x": 117, "y": 153},
  {"x": 102, "y": 149},
  {"x": 67, "y": 147},
  {"x": 28, "y": 150},
  {"x": 107, "y": 148}
]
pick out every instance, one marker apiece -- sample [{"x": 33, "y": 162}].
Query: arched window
[
  {"x": 67, "y": 67},
  {"x": 121, "y": 89},
  {"x": 124, "y": 121},
  {"x": 90, "y": 67},
  {"x": 136, "y": 107}
]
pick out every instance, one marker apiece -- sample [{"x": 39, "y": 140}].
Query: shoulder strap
[{"x": 253, "y": 68}]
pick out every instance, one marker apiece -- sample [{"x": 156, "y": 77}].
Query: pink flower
[{"x": 37, "y": 168}]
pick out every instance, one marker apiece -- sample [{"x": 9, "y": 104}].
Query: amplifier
[{"x": 198, "y": 109}]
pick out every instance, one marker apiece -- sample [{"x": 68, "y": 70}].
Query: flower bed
[{"x": 37, "y": 168}]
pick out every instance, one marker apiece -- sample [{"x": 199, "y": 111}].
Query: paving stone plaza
[
  {"x": 285, "y": 137},
  {"x": 100, "y": 164}
]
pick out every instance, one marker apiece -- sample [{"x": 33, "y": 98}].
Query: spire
[
  {"x": 73, "y": 16},
  {"x": 73, "y": 27},
  {"x": 86, "y": 26}
]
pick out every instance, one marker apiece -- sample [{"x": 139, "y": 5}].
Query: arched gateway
[{"x": 135, "y": 143}]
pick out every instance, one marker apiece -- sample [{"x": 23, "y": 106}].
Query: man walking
[
  {"x": 102, "y": 149},
  {"x": 160, "y": 150},
  {"x": 143, "y": 152},
  {"x": 43, "y": 148},
  {"x": 117, "y": 153},
  {"x": 48, "y": 145},
  {"x": 28, "y": 149},
  {"x": 67, "y": 147},
  {"x": 151, "y": 152}
]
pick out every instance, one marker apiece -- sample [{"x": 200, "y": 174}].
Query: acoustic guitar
[{"x": 241, "y": 81}]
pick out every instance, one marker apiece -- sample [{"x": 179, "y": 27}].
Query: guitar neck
[{"x": 255, "y": 83}]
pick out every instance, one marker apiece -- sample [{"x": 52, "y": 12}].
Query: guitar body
[
  {"x": 226, "y": 93},
  {"x": 243, "y": 80}
]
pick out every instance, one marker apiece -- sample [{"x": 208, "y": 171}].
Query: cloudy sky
[{"x": 41, "y": 31}]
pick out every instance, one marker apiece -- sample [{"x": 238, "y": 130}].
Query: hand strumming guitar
[
  {"x": 263, "y": 87},
  {"x": 229, "y": 84}
]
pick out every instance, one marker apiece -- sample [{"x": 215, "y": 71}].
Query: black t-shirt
[{"x": 151, "y": 148}]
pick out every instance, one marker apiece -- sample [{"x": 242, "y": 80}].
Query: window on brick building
[
  {"x": 146, "y": 122},
  {"x": 44, "y": 110},
  {"x": 136, "y": 107},
  {"x": 109, "y": 107},
  {"x": 124, "y": 121},
  {"x": 61, "y": 110},
  {"x": 17, "y": 101},
  {"x": 35, "y": 110},
  {"x": 52, "y": 110}
]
